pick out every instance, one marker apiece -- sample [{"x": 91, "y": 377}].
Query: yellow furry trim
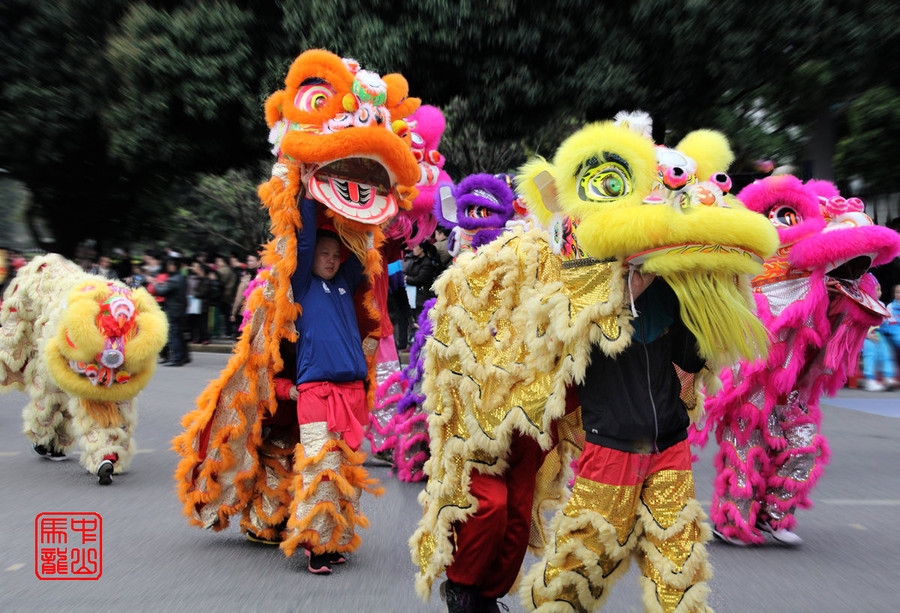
[
  {"x": 153, "y": 331},
  {"x": 710, "y": 149},
  {"x": 622, "y": 231},
  {"x": 593, "y": 142},
  {"x": 49, "y": 319},
  {"x": 713, "y": 308},
  {"x": 693, "y": 600},
  {"x": 527, "y": 189}
]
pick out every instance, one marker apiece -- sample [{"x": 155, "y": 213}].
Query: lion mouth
[
  {"x": 852, "y": 290},
  {"x": 850, "y": 269},
  {"x": 355, "y": 188},
  {"x": 694, "y": 249},
  {"x": 98, "y": 374}
]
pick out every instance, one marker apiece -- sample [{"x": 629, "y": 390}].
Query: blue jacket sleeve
[
  {"x": 306, "y": 249},
  {"x": 352, "y": 271}
]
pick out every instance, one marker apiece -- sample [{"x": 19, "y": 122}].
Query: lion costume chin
[
  {"x": 82, "y": 347},
  {"x": 340, "y": 138},
  {"x": 515, "y": 323}
]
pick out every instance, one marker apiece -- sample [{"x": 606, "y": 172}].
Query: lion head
[
  {"x": 611, "y": 193},
  {"x": 343, "y": 126},
  {"x": 107, "y": 341}
]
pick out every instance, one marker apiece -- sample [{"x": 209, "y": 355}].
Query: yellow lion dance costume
[
  {"x": 339, "y": 134},
  {"x": 514, "y": 329},
  {"x": 81, "y": 347}
]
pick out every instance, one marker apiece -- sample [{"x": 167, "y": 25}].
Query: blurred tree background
[{"x": 142, "y": 122}]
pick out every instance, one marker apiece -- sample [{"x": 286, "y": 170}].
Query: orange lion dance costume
[{"x": 341, "y": 141}]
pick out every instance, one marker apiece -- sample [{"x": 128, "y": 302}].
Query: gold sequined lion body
[{"x": 515, "y": 323}]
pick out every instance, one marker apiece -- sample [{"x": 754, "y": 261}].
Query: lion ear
[
  {"x": 273, "y": 107},
  {"x": 398, "y": 101},
  {"x": 536, "y": 184},
  {"x": 711, "y": 151}
]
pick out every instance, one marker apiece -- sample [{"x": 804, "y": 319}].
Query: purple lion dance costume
[
  {"x": 817, "y": 300},
  {"x": 478, "y": 209}
]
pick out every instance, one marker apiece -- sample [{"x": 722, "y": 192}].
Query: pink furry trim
[
  {"x": 825, "y": 189},
  {"x": 850, "y": 324},
  {"x": 731, "y": 523},
  {"x": 785, "y": 190},
  {"x": 410, "y": 468},
  {"x": 729, "y": 466},
  {"x": 390, "y": 440},
  {"x": 394, "y": 377},
  {"x": 816, "y": 252},
  {"x": 258, "y": 281}
]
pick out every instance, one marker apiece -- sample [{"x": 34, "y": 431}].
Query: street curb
[
  {"x": 219, "y": 347},
  {"x": 211, "y": 348}
]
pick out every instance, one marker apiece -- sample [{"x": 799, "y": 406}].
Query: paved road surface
[{"x": 154, "y": 561}]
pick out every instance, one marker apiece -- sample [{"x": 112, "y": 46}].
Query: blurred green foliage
[
  {"x": 118, "y": 116},
  {"x": 873, "y": 131}
]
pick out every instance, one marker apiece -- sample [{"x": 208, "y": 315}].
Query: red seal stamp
[{"x": 68, "y": 546}]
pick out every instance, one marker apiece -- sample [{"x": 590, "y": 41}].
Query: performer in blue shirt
[{"x": 331, "y": 398}]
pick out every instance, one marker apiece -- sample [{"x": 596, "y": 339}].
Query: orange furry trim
[
  {"x": 406, "y": 194},
  {"x": 104, "y": 413},
  {"x": 310, "y": 538},
  {"x": 268, "y": 534},
  {"x": 279, "y": 315},
  {"x": 359, "y": 478},
  {"x": 281, "y": 492}
]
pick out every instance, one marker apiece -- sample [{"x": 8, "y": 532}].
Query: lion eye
[
  {"x": 784, "y": 217},
  {"x": 313, "y": 96},
  {"x": 607, "y": 182}
]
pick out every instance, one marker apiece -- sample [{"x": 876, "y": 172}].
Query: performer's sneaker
[
  {"x": 386, "y": 456},
  {"x": 105, "y": 471},
  {"x": 335, "y": 557},
  {"x": 782, "y": 535},
  {"x": 731, "y": 540},
  {"x": 319, "y": 564},
  {"x": 873, "y": 385},
  {"x": 251, "y": 536},
  {"x": 49, "y": 453},
  {"x": 461, "y": 598}
]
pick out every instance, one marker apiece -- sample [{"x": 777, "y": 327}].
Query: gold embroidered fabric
[{"x": 512, "y": 328}]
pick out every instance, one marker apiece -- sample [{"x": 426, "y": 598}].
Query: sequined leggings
[
  {"x": 625, "y": 504},
  {"x": 767, "y": 472}
]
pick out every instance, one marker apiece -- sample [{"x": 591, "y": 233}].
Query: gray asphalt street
[{"x": 153, "y": 560}]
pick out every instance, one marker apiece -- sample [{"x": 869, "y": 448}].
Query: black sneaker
[
  {"x": 49, "y": 453},
  {"x": 319, "y": 564},
  {"x": 731, "y": 540},
  {"x": 335, "y": 557},
  {"x": 461, "y": 598},
  {"x": 386, "y": 456},
  {"x": 105, "y": 472}
]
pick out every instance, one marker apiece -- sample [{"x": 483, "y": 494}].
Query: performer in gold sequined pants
[
  {"x": 623, "y": 505},
  {"x": 635, "y": 493}
]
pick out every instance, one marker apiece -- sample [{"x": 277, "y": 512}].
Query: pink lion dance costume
[
  {"x": 817, "y": 300},
  {"x": 409, "y": 227}
]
